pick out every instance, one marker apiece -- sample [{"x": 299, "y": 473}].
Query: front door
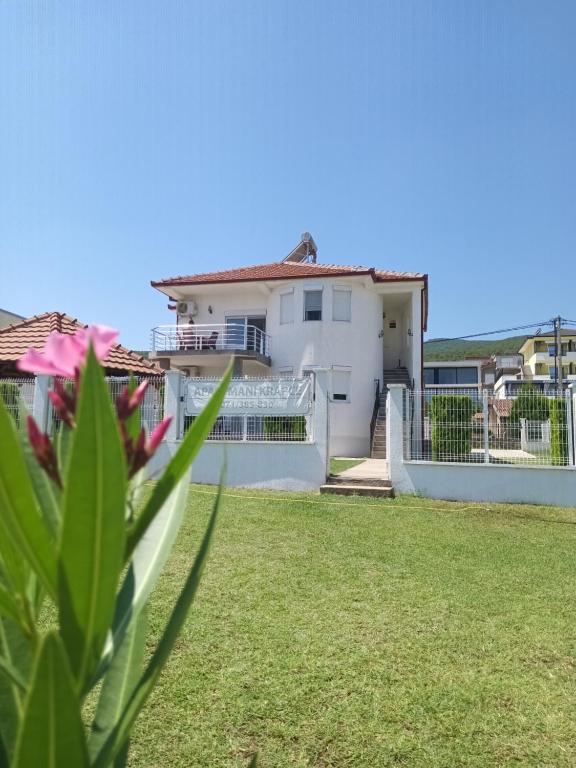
[{"x": 392, "y": 342}]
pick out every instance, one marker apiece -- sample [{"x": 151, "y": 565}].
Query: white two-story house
[{"x": 292, "y": 317}]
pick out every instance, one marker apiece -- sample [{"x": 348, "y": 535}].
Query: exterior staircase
[
  {"x": 378, "y": 447},
  {"x": 391, "y": 376},
  {"x": 396, "y": 376}
]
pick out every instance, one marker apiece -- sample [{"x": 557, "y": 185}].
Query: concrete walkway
[{"x": 368, "y": 469}]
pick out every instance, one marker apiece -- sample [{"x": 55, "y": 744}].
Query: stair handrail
[{"x": 375, "y": 410}]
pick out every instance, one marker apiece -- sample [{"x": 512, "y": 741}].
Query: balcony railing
[{"x": 206, "y": 338}]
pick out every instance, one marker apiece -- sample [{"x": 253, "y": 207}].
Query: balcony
[{"x": 203, "y": 342}]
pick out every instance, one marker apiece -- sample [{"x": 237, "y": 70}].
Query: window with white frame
[
  {"x": 313, "y": 304},
  {"x": 341, "y": 303},
  {"x": 287, "y": 307},
  {"x": 341, "y": 386}
]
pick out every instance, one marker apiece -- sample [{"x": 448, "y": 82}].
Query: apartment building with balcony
[{"x": 292, "y": 317}]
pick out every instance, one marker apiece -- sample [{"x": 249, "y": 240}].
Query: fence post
[
  {"x": 395, "y": 437},
  {"x": 172, "y": 404},
  {"x": 485, "y": 425},
  {"x": 40, "y": 404},
  {"x": 320, "y": 421},
  {"x": 571, "y": 423}
]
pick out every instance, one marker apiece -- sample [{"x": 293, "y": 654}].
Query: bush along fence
[{"x": 531, "y": 429}]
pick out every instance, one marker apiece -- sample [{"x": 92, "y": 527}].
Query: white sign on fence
[{"x": 253, "y": 396}]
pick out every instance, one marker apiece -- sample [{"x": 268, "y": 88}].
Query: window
[
  {"x": 552, "y": 350},
  {"x": 286, "y": 308},
  {"x": 313, "y": 305},
  {"x": 341, "y": 304},
  {"x": 341, "y": 386},
  {"x": 447, "y": 376},
  {"x": 429, "y": 376}
]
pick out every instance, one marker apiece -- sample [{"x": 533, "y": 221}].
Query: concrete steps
[{"x": 361, "y": 486}]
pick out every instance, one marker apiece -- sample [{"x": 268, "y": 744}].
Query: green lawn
[
  {"x": 343, "y": 632},
  {"x": 339, "y": 465}
]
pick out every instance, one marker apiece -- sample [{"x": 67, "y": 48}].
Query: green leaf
[
  {"x": 20, "y": 517},
  {"x": 121, "y": 732},
  {"x": 119, "y": 683},
  {"x": 180, "y": 462},
  {"x": 9, "y": 607},
  {"x": 17, "y": 659},
  {"x": 147, "y": 563},
  {"x": 93, "y": 526},
  {"x": 133, "y": 422},
  {"x": 51, "y": 733},
  {"x": 47, "y": 493},
  {"x": 11, "y": 674}
]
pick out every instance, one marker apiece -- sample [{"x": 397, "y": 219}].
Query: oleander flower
[{"x": 64, "y": 354}]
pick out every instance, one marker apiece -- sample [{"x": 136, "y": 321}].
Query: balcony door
[{"x": 247, "y": 333}]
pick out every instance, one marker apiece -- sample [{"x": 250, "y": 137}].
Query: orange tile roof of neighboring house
[
  {"x": 17, "y": 338},
  {"x": 286, "y": 270}
]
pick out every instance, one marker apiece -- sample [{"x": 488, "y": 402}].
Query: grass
[
  {"x": 348, "y": 633},
  {"x": 339, "y": 465}
]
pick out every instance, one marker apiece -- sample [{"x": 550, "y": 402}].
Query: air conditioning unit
[{"x": 187, "y": 308}]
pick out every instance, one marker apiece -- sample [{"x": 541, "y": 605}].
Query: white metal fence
[
  {"x": 151, "y": 409},
  {"x": 18, "y": 395},
  {"x": 530, "y": 429},
  {"x": 271, "y": 409}
]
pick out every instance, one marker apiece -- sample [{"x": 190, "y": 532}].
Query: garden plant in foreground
[{"x": 79, "y": 557}]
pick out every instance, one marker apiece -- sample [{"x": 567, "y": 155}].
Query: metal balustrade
[{"x": 214, "y": 337}]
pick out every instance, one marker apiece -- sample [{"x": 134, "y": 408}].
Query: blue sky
[{"x": 140, "y": 140}]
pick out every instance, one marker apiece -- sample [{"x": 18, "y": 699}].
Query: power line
[{"x": 493, "y": 333}]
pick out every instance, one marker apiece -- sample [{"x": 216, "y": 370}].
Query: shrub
[
  {"x": 530, "y": 405},
  {"x": 285, "y": 428},
  {"x": 558, "y": 433},
  {"x": 451, "y": 417}
]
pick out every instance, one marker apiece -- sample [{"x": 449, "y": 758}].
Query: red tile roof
[
  {"x": 17, "y": 338},
  {"x": 287, "y": 270}
]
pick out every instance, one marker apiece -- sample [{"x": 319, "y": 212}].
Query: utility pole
[{"x": 558, "y": 356}]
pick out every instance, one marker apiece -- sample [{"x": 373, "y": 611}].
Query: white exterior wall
[
  {"x": 334, "y": 344},
  {"x": 356, "y": 346}
]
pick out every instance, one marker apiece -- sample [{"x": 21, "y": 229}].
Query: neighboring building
[
  {"x": 9, "y": 318},
  {"x": 16, "y": 339},
  {"x": 535, "y": 364},
  {"x": 291, "y": 317},
  {"x": 454, "y": 377},
  {"x": 540, "y": 362}
]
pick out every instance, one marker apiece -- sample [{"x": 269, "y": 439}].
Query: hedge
[
  {"x": 558, "y": 433},
  {"x": 530, "y": 405},
  {"x": 451, "y": 417},
  {"x": 285, "y": 428}
]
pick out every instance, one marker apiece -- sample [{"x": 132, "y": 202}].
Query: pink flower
[
  {"x": 44, "y": 451},
  {"x": 64, "y": 354},
  {"x": 139, "y": 454}
]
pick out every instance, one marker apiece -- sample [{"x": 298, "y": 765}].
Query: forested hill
[{"x": 458, "y": 350}]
